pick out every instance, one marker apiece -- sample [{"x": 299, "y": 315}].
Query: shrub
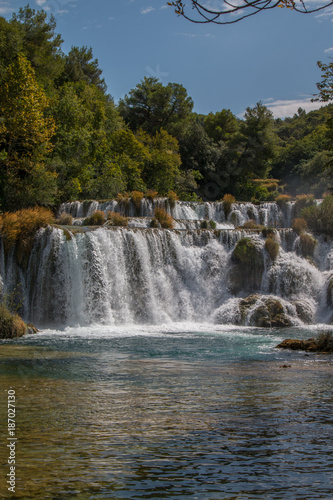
[
  {"x": 172, "y": 197},
  {"x": 137, "y": 197},
  {"x": 228, "y": 200},
  {"x": 268, "y": 232},
  {"x": 123, "y": 199},
  {"x": 299, "y": 225},
  {"x": 154, "y": 223},
  {"x": 302, "y": 201},
  {"x": 245, "y": 251},
  {"x": 164, "y": 218},
  {"x": 65, "y": 219},
  {"x": 324, "y": 341},
  {"x": 272, "y": 248},
  {"x": 117, "y": 219},
  {"x": 151, "y": 194},
  {"x": 308, "y": 244},
  {"x": 282, "y": 200},
  {"x": 208, "y": 224},
  {"x": 251, "y": 224},
  {"x": 19, "y": 228},
  {"x": 11, "y": 325},
  {"x": 320, "y": 217},
  {"x": 96, "y": 219}
]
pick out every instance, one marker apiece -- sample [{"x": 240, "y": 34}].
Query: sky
[{"x": 270, "y": 57}]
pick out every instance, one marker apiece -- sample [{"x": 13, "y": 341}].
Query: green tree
[
  {"x": 260, "y": 141},
  {"x": 39, "y": 43},
  {"x": 25, "y": 136},
  {"x": 151, "y": 105},
  {"x": 221, "y": 126},
  {"x": 80, "y": 66}
]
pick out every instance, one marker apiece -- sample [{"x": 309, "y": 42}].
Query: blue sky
[{"x": 269, "y": 57}]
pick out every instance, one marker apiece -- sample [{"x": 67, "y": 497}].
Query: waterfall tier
[{"x": 130, "y": 275}]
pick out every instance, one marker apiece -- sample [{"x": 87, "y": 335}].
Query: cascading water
[{"x": 143, "y": 275}]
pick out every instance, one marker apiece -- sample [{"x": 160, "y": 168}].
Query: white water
[{"x": 138, "y": 275}]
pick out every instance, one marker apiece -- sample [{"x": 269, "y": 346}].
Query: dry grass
[
  {"x": 282, "y": 200},
  {"x": 164, "y": 218},
  {"x": 19, "y": 228},
  {"x": 117, "y": 219},
  {"x": 308, "y": 244},
  {"x": 151, "y": 194},
  {"x": 228, "y": 200},
  {"x": 172, "y": 197},
  {"x": 65, "y": 219},
  {"x": 272, "y": 248},
  {"x": 96, "y": 219},
  {"x": 11, "y": 325},
  {"x": 136, "y": 197},
  {"x": 251, "y": 224},
  {"x": 299, "y": 225}
]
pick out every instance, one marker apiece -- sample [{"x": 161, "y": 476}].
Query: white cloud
[
  {"x": 146, "y": 10},
  {"x": 287, "y": 108},
  {"x": 327, "y": 51}
]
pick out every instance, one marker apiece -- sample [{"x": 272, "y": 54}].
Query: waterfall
[{"x": 137, "y": 274}]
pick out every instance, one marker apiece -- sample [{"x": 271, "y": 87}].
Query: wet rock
[
  {"x": 31, "y": 329},
  {"x": 304, "y": 311},
  {"x": 298, "y": 345}
]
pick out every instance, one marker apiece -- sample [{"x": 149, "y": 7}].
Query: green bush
[
  {"x": 320, "y": 217},
  {"x": 302, "y": 201},
  {"x": 272, "y": 247},
  {"x": 96, "y": 219},
  {"x": 245, "y": 251},
  {"x": 208, "y": 224}
]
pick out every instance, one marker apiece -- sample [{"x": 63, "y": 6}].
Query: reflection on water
[{"x": 111, "y": 420}]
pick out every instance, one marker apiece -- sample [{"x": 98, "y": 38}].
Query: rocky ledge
[{"x": 323, "y": 344}]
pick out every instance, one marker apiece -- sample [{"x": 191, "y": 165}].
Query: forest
[{"x": 63, "y": 138}]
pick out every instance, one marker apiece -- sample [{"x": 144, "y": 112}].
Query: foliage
[
  {"x": 228, "y": 200},
  {"x": 18, "y": 229},
  {"x": 25, "y": 136},
  {"x": 308, "y": 244},
  {"x": 97, "y": 218},
  {"x": 302, "y": 201},
  {"x": 272, "y": 247},
  {"x": 151, "y": 194},
  {"x": 299, "y": 225},
  {"x": 152, "y": 106},
  {"x": 252, "y": 225},
  {"x": 136, "y": 197},
  {"x": 245, "y": 251},
  {"x": 164, "y": 218},
  {"x": 208, "y": 224},
  {"x": 117, "y": 219},
  {"x": 320, "y": 217},
  {"x": 65, "y": 219},
  {"x": 282, "y": 200},
  {"x": 172, "y": 198},
  {"x": 11, "y": 325}
]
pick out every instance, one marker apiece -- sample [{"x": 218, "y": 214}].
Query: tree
[
  {"x": 152, "y": 106},
  {"x": 232, "y": 12},
  {"x": 25, "y": 135},
  {"x": 80, "y": 66},
  {"x": 39, "y": 43},
  {"x": 325, "y": 87},
  {"x": 260, "y": 141}
]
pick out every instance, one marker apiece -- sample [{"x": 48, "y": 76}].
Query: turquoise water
[{"x": 172, "y": 411}]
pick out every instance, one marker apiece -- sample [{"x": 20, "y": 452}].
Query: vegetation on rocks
[
  {"x": 208, "y": 224},
  {"x": 320, "y": 217},
  {"x": 163, "y": 218},
  {"x": 96, "y": 219},
  {"x": 116, "y": 219},
  {"x": 228, "y": 200},
  {"x": 11, "y": 325},
  {"x": 272, "y": 247}
]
